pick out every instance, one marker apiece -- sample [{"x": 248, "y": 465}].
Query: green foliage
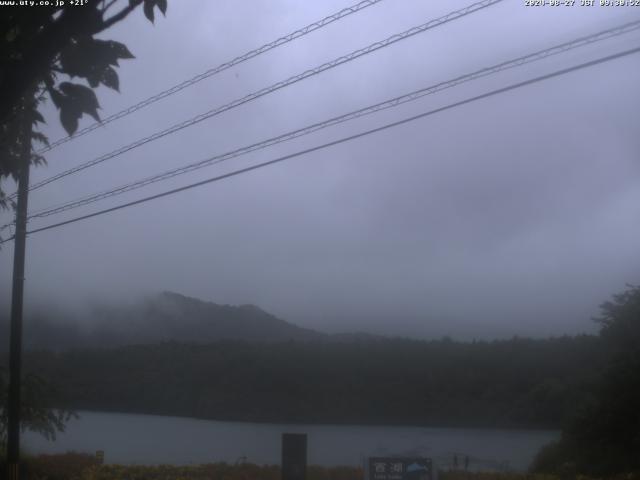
[
  {"x": 36, "y": 412},
  {"x": 523, "y": 383},
  {"x": 214, "y": 471},
  {"x": 67, "y": 466},
  {"x": 461, "y": 475},
  {"x": 89, "y": 57},
  {"x": 458, "y": 475},
  {"x": 79, "y": 466},
  {"x": 604, "y": 437},
  {"x": 554, "y": 458},
  {"x": 150, "y": 4},
  {"x": 40, "y": 45},
  {"x": 73, "y": 100},
  {"x": 620, "y": 321}
]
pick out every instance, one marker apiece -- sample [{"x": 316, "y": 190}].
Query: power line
[
  {"x": 523, "y": 60},
  {"x": 515, "y": 86},
  {"x": 214, "y": 71},
  {"x": 277, "y": 86}
]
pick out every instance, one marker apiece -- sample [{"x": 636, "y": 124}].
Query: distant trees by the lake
[
  {"x": 589, "y": 386},
  {"x": 514, "y": 383}
]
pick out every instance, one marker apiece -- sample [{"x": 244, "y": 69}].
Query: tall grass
[{"x": 79, "y": 466}]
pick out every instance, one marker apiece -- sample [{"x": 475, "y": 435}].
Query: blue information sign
[{"x": 400, "y": 468}]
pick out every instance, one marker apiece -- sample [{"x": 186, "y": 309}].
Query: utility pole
[{"x": 17, "y": 294}]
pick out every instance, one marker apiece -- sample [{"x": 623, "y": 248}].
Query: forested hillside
[
  {"x": 515, "y": 383},
  {"x": 166, "y": 316}
]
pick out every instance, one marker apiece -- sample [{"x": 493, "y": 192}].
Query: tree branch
[
  {"x": 108, "y": 6},
  {"x": 37, "y": 61},
  {"x": 119, "y": 16}
]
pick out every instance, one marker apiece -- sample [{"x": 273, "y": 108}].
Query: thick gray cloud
[{"x": 513, "y": 215}]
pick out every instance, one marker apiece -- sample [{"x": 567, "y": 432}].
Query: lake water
[{"x": 149, "y": 439}]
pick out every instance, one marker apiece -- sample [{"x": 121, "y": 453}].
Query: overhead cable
[
  {"x": 404, "y": 121},
  {"x": 214, "y": 71},
  {"x": 517, "y": 62},
  {"x": 274, "y": 87}
]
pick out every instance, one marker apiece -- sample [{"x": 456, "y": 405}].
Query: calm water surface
[{"x": 149, "y": 439}]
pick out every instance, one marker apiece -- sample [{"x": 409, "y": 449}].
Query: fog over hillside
[
  {"x": 169, "y": 316},
  {"x": 514, "y": 215},
  {"x": 163, "y": 317}
]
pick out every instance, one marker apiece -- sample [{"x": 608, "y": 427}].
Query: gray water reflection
[{"x": 149, "y": 439}]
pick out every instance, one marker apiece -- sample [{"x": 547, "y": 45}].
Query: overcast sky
[{"x": 514, "y": 215}]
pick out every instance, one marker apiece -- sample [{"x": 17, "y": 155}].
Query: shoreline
[{"x": 321, "y": 424}]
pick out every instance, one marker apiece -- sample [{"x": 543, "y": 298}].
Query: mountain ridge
[{"x": 162, "y": 317}]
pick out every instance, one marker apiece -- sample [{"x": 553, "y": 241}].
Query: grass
[{"x": 80, "y": 466}]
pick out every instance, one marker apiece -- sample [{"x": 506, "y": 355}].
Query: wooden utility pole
[{"x": 17, "y": 294}]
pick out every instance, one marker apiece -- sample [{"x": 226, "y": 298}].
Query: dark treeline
[
  {"x": 603, "y": 437},
  {"x": 514, "y": 383}
]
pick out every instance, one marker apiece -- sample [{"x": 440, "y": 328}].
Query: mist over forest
[
  {"x": 242, "y": 363},
  {"x": 169, "y": 316},
  {"x": 410, "y": 214}
]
